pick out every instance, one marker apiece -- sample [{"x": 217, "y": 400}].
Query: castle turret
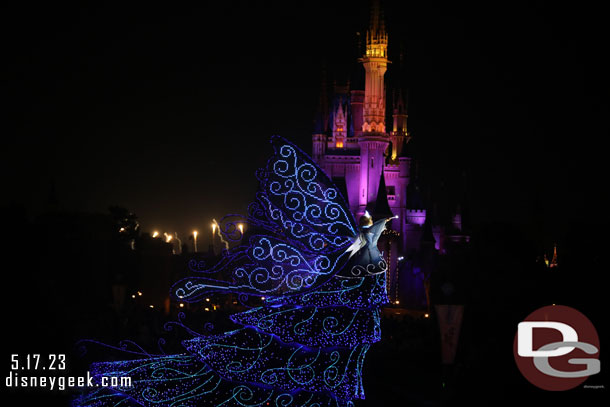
[
  {"x": 375, "y": 63},
  {"x": 399, "y": 133},
  {"x": 339, "y": 127}
]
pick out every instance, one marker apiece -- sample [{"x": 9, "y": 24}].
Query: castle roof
[{"x": 381, "y": 208}]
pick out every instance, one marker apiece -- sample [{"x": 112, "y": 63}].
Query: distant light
[
  {"x": 213, "y": 228},
  {"x": 241, "y": 228},
  {"x": 133, "y": 296},
  {"x": 263, "y": 298},
  {"x": 207, "y": 309},
  {"x": 207, "y": 299},
  {"x": 553, "y": 305},
  {"x": 121, "y": 229},
  {"x": 151, "y": 306},
  {"x": 195, "y": 234},
  {"x": 401, "y": 258},
  {"x": 396, "y": 302},
  {"x": 140, "y": 293},
  {"x": 181, "y": 305},
  {"x": 155, "y": 233},
  {"x": 216, "y": 307},
  {"x": 426, "y": 315},
  {"x": 168, "y": 237}
]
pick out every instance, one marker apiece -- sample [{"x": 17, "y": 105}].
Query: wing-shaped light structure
[{"x": 306, "y": 344}]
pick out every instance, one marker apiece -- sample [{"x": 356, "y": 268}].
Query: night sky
[{"x": 167, "y": 109}]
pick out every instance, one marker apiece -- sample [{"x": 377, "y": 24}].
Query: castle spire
[
  {"x": 375, "y": 61},
  {"x": 376, "y": 25}
]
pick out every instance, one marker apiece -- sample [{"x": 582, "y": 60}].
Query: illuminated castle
[{"x": 373, "y": 166}]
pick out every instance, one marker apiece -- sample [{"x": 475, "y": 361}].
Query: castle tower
[{"x": 373, "y": 140}]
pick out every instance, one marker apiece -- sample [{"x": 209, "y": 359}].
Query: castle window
[
  {"x": 372, "y": 163},
  {"x": 391, "y": 190},
  {"x": 340, "y": 144}
]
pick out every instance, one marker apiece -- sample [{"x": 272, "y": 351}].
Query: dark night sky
[{"x": 167, "y": 109}]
